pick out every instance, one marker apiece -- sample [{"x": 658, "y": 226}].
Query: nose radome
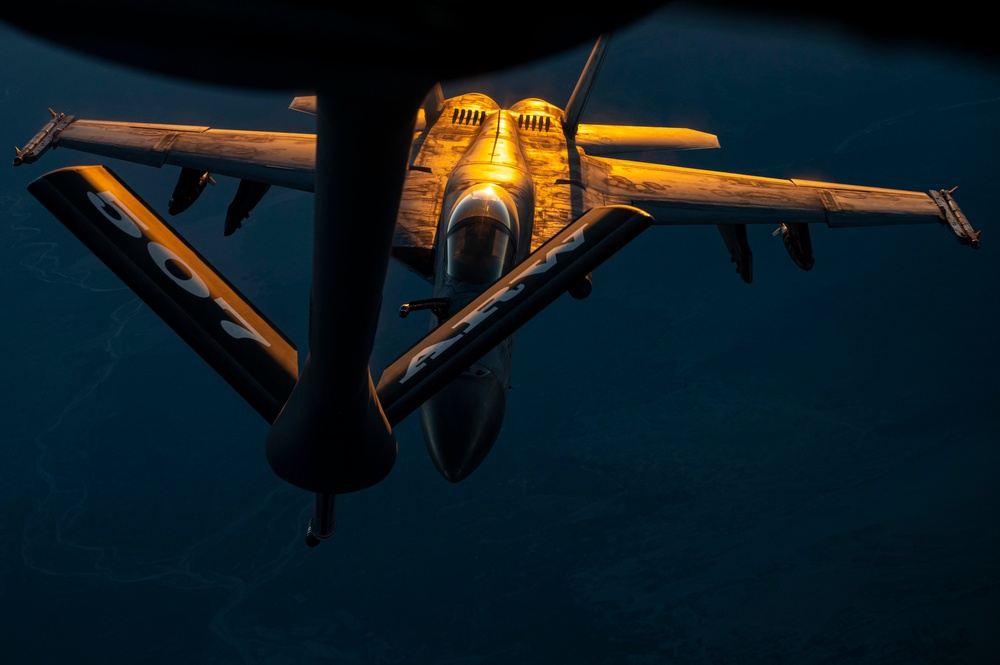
[{"x": 461, "y": 422}]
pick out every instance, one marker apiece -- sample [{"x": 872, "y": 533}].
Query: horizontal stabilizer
[
  {"x": 177, "y": 283},
  {"x": 304, "y": 104},
  {"x": 618, "y": 139},
  {"x": 548, "y": 272}
]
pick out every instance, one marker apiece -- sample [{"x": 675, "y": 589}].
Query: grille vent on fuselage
[
  {"x": 534, "y": 123},
  {"x": 467, "y": 117}
]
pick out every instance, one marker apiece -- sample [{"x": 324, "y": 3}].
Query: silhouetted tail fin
[{"x": 584, "y": 86}]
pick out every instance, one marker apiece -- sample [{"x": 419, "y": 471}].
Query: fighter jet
[{"x": 500, "y": 210}]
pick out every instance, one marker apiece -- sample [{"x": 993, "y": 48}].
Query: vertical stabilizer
[
  {"x": 581, "y": 93},
  {"x": 433, "y": 104}
]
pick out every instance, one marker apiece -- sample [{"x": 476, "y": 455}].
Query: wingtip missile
[
  {"x": 43, "y": 140},
  {"x": 953, "y": 216}
]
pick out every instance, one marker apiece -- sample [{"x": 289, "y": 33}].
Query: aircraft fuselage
[{"x": 484, "y": 230}]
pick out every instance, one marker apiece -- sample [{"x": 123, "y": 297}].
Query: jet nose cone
[{"x": 462, "y": 421}]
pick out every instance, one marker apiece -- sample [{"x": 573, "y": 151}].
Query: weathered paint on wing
[
  {"x": 676, "y": 195},
  {"x": 276, "y": 158}
]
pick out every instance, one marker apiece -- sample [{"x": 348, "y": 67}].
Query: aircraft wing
[
  {"x": 269, "y": 158},
  {"x": 258, "y": 158},
  {"x": 676, "y": 195}
]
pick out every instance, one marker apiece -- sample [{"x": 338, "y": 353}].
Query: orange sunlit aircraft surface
[{"x": 502, "y": 210}]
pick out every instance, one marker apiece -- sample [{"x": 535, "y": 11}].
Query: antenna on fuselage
[{"x": 581, "y": 93}]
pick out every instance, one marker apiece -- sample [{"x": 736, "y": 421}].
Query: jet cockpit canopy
[{"x": 482, "y": 232}]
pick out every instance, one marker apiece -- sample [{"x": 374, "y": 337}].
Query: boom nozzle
[{"x": 324, "y": 519}]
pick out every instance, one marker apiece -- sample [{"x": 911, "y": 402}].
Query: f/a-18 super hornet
[{"x": 501, "y": 211}]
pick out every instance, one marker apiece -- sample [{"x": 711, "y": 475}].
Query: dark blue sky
[{"x": 692, "y": 470}]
